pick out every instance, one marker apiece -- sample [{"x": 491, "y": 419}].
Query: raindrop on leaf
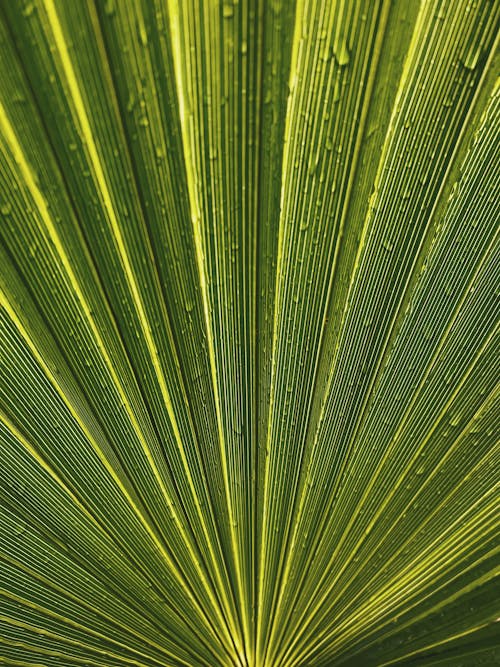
[
  {"x": 109, "y": 7},
  {"x": 341, "y": 52},
  {"x": 143, "y": 35},
  {"x": 29, "y": 9}
]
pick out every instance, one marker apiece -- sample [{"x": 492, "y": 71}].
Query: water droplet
[
  {"x": 6, "y": 208},
  {"x": 471, "y": 58},
  {"x": 341, "y": 52},
  {"x": 143, "y": 121},
  {"x": 387, "y": 245},
  {"x": 109, "y": 7},
  {"x": 29, "y": 9},
  {"x": 336, "y": 91},
  {"x": 325, "y": 54},
  {"x": 19, "y": 98},
  {"x": 304, "y": 225},
  {"x": 20, "y": 528},
  {"x": 227, "y": 11},
  {"x": 189, "y": 306},
  {"x": 130, "y": 102},
  {"x": 143, "y": 35},
  {"x": 454, "y": 191},
  {"x": 244, "y": 46},
  {"x": 313, "y": 165}
]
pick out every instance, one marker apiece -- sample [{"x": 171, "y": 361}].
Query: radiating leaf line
[
  {"x": 51, "y": 635},
  {"x": 41, "y": 462},
  {"x": 363, "y": 115},
  {"x": 466, "y": 431},
  {"x": 17, "y": 151},
  {"x": 401, "y": 547},
  {"x": 344, "y": 205},
  {"x": 303, "y": 655},
  {"x": 87, "y": 134},
  {"x": 221, "y": 589},
  {"x": 81, "y": 602},
  {"x": 46, "y": 467},
  {"x": 249, "y": 331},
  {"x": 431, "y": 646},
  {"x": 81, "y": 628},
  {"x": 213, "y": 260},
  {"x": 411, "y": 461}
]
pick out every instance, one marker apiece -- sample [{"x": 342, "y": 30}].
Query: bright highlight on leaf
[{"x": 249, "y": 333}]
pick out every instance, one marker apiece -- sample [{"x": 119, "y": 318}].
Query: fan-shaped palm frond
[{"x": 248, "y": 322}]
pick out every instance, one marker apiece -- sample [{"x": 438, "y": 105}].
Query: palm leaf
[{"x": 248, "y": 324}]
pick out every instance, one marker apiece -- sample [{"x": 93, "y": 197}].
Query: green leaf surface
[{"x": 249, "y": 333}]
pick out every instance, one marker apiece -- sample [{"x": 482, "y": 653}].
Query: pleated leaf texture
[{"x": 249, "y": 333}]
